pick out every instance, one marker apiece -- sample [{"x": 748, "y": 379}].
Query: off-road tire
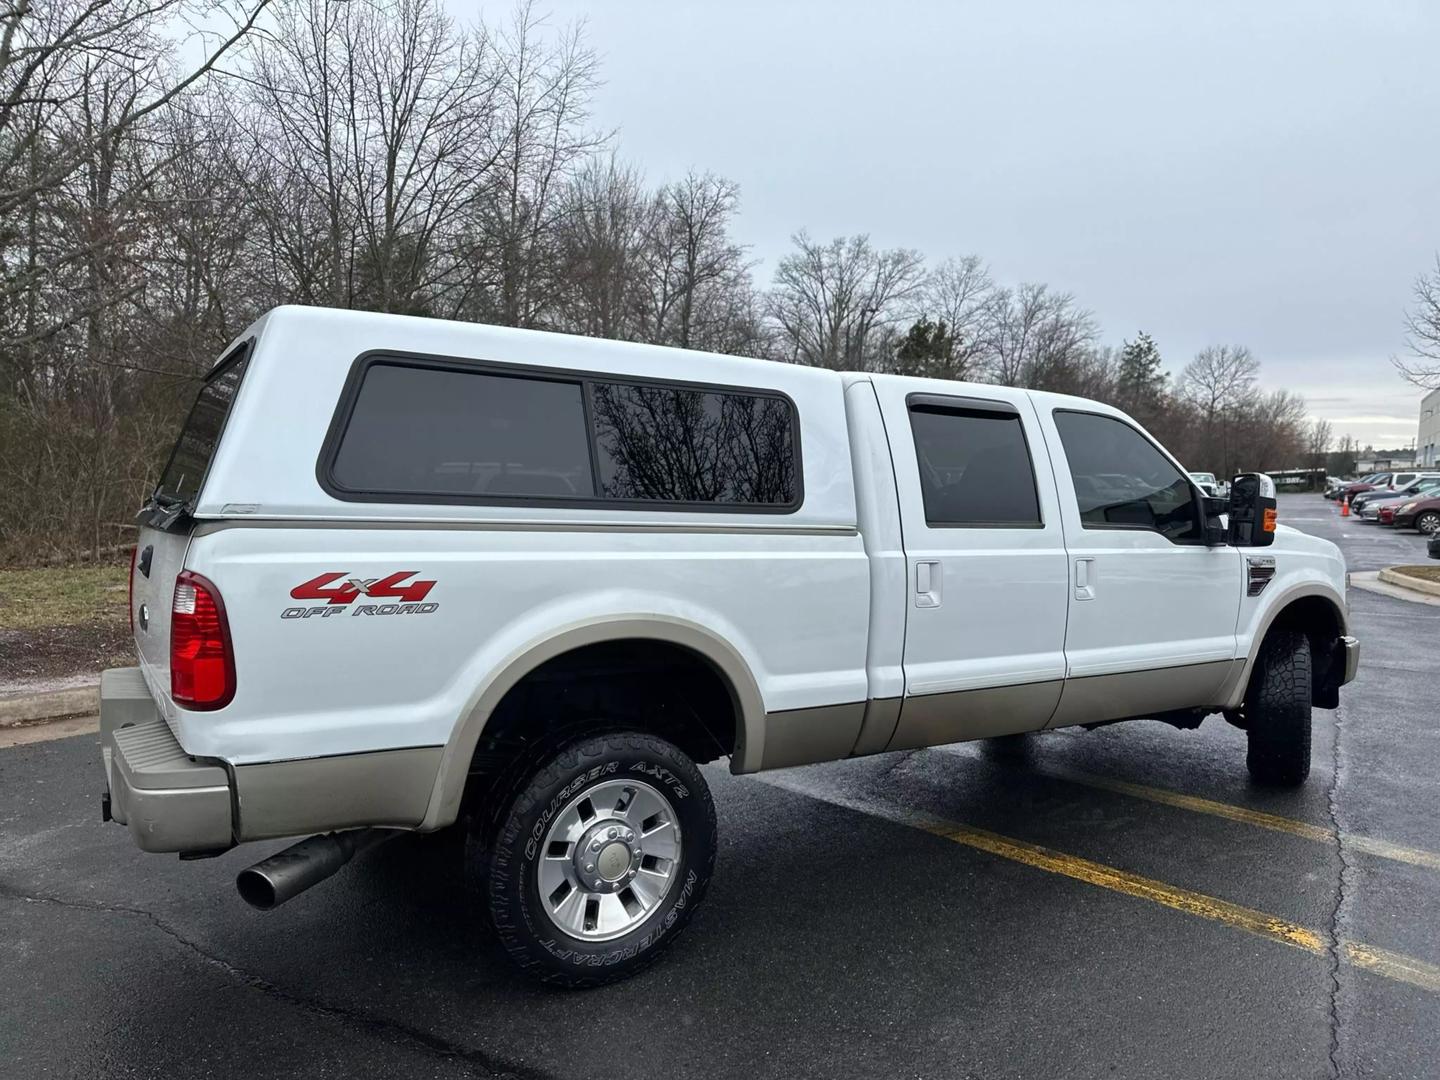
[
  {"x": 1277, "y": 711},
  {"x": 510, "y": 885}
]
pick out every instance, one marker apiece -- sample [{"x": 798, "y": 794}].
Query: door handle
[
  {"x": 1084, "y": 579},
  {"x": 927, "y": 583}
]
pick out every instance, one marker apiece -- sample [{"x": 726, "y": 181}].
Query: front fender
[{"x": 1259, "y": 618}]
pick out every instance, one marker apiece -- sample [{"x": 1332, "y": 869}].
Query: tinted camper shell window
[{"x": 427, "y": 430}]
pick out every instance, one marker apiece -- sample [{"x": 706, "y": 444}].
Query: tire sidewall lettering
[{"x": 662, "y": 774}]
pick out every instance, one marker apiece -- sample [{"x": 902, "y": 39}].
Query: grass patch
[
  {"x": 1429, "y": 573},
  {"x": 63, "y": 596}
]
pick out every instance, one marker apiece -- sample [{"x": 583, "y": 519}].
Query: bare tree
[
  {"x": 77, "y": 78},
  {"x": 1318, "y": 438},
  {"x": 600, "y": 250},
  {"x": 543, "y": 90},
  {"x": 1031, "y": 336},
  {"x": 1341, "y": 460},
  {"x": 1267, "y": 431},
  {"x": 694, "y": 265},
  {"x": 1219, "y": 377},
  {"x": 1422, "y": 332},
  {"x": 1217, "y": 384},
  {"x": 957, "y": 294},
  {"x": 831, "y": 303},
  {"x": 373, "y": 143}
]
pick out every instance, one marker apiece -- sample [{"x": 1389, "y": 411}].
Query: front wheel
[
  {"x": 1428, "y": 522},
  {"x": 1277, "y": 711},
  {"x": 600, "y": 859}
]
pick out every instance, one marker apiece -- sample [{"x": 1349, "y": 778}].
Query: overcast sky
[{"x": 1259, "y": 173}]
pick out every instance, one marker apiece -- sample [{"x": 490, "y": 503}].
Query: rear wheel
[
  {"x": 1277, "y": 711},
  {"x": 600, "y": 859}
]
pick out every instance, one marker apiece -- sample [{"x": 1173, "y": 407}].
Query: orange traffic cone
[{"x": 1345, "y": 507}]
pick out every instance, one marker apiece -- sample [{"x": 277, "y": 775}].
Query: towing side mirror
[
  {"x": 1252, "y": 511},
  {"x": 1211, "y": 507}
]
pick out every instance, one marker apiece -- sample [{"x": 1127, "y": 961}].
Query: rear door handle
[
  {"x": 1084, "y": 579},
  {"x": 928, "y": 578}
]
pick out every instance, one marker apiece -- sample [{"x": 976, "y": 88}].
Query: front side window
[
  {"x": 1123, "y": 481},
  {"x": 975, "y": 467},
  {"x": 438, "y": 431}
]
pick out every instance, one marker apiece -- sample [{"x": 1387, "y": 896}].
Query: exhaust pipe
[{"x": 286, "y": 874}]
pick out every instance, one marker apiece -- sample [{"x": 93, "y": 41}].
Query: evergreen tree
[
  {"x": 1139, "y": 382},
  {"x": 928, "y": 348}
]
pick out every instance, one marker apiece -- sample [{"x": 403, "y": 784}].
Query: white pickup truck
[{"x": 401, "y": 573}]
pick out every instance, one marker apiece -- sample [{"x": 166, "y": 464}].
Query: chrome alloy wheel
[{"x": 609, "y": 859}]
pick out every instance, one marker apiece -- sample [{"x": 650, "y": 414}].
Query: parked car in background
[
  {"x": 1207, "y": 483},
  {"x": 1367, "y": 504},
  {"x": 1422, "y": 514},
  {"x": 1341, "y": 484},
  {"x": 1432, "y": 546},
  {"x": 1370, "y": 483},
  {"x": 1402, "y": 479},
  {"x": 1419, "y": 513}
]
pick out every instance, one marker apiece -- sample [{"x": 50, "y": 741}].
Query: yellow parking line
[
  {"x": 1393, "y": 965},
  {"x": 1382, "y": 962},
  {"x": 1322, "y": 833}
]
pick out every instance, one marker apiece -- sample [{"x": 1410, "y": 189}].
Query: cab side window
[
  {"x": 975, "y": 467},
  {"x": 1122, "y": 481}
]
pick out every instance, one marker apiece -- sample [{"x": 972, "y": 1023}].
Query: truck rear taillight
[{"x": 202, "y": 662}]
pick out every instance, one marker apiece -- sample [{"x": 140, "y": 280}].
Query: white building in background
[
  {"x": 1388, "y": 461},
  {"x": 1427, "y": 442}
]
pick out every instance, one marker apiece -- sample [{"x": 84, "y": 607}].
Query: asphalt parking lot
[{"x": 1113, "y": 903}]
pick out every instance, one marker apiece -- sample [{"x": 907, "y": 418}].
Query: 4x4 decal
[
  {"x": 339, "y": 591},
  {"x": 323, "y": 588}
]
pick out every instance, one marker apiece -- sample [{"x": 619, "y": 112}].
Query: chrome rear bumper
[{"x": 170, "y": 801}]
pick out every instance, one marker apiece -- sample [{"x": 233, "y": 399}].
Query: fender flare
[
  {"x": 449, "y": 787},
  {"x": 1235, "y": 691}
]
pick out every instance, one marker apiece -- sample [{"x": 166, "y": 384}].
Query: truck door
[
  {"x": 1152, "y": 609},
  {"x": 985, "y": 558}
]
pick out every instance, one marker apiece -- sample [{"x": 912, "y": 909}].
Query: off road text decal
[{"x": 339, "y": 592}]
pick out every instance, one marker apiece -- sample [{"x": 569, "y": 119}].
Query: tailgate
[
  {"x": 159, "y": 558},
  {"x": 165, "y": 530}
]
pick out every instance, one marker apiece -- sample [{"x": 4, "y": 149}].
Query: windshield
[
  {"x": 180, "y": 482},
  {"x": 1203, "y": 477}
]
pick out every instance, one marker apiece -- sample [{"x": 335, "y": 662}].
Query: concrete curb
[
  {"x": 1369, "y": 581},
  {"x": 28, "y": 708},
  {"x": 48, "y": 731},
  {"x": 1394, "y": 576}
]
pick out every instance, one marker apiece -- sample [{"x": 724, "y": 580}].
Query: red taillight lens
[
  {"x": 130, "y": 591},
  {"x": 202, "y": 663}
]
